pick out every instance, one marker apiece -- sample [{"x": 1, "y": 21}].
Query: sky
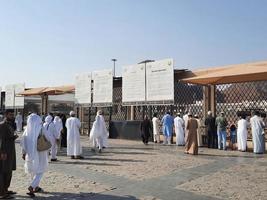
[{"x": 48, "y": 42}]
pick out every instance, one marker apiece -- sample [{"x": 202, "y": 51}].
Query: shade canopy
[
  {"x": 229, "y": 74},
  {"x": 49, "y": 90}
]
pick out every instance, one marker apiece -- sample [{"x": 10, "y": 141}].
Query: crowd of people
[
  {"x": 187, "y": 130},
  {"x": 41, "y": 139},
  {"x": 44, "y": 135}
]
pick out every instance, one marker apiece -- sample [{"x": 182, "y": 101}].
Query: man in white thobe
[
  {"x": 258, "y": 135},
  {"x": 185, "y": 118},
  {"x": 242, "y": 133},
  {"x": 156, "y": 132},
  {"x": 179, "y": 130},
  {"x": 36, "y": 162},
  {"x": 59, "y": 126},
  {"x": 199, "y": 135},
  {"x": 18, "y": 121},
  {"x": 99, "y": 133},
  {"x": 74, "y": 148},
  {"x": 53, "y": 135},
  {"x": 105, "y": 136}
]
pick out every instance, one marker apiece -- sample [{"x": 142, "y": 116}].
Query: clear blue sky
[{"x": 47, "y": 42}]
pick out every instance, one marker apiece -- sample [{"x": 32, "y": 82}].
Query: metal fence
[
  {"x": 230, "y": 98},
  {"x": 241, "y": 97}
]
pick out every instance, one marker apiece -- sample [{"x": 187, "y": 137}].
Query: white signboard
[
  {"x": 83, "y": 88},
  {"x": 10, "y": 97},
  {"x": 133, "y": 84},
  {"x": 103, "y": 87},
  {"x": 160, "y": 80},
  {"x": 19, "y": 100}
]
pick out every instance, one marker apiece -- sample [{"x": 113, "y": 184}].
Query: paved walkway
[{"x": 128, "y": 170}]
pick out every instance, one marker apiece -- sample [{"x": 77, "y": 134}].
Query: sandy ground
[
  {"x": 142, "y": 162},
  {"x": 245, "y": 181},
  {"x": 56, "y": 184},
  {"x": 242, "y": 176}
]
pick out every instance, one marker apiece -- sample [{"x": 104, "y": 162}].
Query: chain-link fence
[
  {"x": 188, "y": 98},
  {"x": 241, "y": 97}
]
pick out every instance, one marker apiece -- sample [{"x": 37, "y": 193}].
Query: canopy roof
[
  {"x": 229, "y": 74},
  {"x": 49, "y": 90}
]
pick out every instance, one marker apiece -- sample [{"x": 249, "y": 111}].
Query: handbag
[{"x": 43, "y": 143}]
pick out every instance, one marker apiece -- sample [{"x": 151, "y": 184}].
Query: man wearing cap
[
  {"x": 7, "y": 153},
  {"x": 74, "y": 148},
  {"x": 191, "y": 144},
  {"x": 167, "y": 122},
  {"x": 179, "y": 130},
  {"x": 221, "y": 124},
  {"x": 258, "y": 134}
]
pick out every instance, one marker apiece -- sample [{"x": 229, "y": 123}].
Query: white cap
[{"x": 72, "y": 113}]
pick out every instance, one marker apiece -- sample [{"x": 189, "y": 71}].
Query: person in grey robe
[
  {"x": 7, "y": 153},
  {"x": 258, "y": 134}
]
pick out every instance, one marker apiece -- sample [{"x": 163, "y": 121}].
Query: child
[{"x": 232, "y": 136}]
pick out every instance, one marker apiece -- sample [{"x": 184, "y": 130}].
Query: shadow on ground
[{"x": 80, "y": 196}]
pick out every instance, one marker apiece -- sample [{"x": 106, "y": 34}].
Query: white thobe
[
  {"x": 242, "y": 134},
  {"x": 59, "y": 126},
  {"x": 179, "y": 130},
  {"x": 185, "y": 118},
  {"x": 99, "y": 133},
  {"x": 18, "y": 121},
  {"x": 156, "y": 133},
  {"x": 105, "y": 137},
  {"x": 199, "y": 135},
  {"x": 37, "y": 161},
  {"x": 54, "y": 136},
  {"x": 74, "y": 147},
  {"x": 258, "y": 136}
]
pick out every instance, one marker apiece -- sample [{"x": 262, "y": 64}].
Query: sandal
[
  {"x": 38, "y": 190},
  {"x": 79, "y": 157},
  {"x": 31, "y": 192}
]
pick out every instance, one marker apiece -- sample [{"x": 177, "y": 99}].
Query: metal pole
[{"x": 114, "y": 66}]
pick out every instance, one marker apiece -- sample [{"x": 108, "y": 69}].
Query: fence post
[
  {"x": 89, "y": 121},
  {"x": 213, "y": 99}
]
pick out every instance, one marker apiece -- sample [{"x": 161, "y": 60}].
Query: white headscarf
[
  {"x": 58, "y": 123},
  {"x": 48, "y": 120},
  {"x": 99, "y": 128},
  {"x": 30, "y": 135}
]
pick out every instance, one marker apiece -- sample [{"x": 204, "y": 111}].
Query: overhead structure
[
  {"x": 44, "y": 92},
  {"x": 49, "y": 90},
  {"x": 229, "y": 74}
]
